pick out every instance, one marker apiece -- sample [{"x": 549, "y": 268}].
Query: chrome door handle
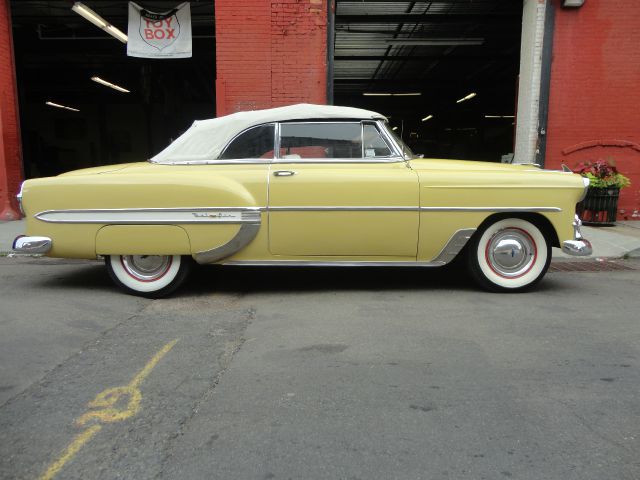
[{"x": 284, "y": 173}]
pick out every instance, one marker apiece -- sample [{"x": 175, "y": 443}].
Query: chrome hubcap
[
  {"x": 146, "y": 267},
  {"x": 511, "y": 252}
]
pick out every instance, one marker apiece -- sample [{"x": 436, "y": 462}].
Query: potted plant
[{"x": 600, "y": 206}]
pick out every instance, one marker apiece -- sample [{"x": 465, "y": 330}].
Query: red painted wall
[
  {"x": 270, "y": 54},
  {"x": 594, "y": 105},
  {"x": 10, "y": 156}
]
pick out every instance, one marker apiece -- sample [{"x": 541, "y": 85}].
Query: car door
[{"x": 333, "y": 195}]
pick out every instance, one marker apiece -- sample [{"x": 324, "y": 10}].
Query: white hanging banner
[{"x": 159, "y": 35}]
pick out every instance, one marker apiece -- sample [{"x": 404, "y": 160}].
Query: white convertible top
[{"x": 205, "y": 139}]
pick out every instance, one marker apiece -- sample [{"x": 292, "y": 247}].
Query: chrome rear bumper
[
  {"x": 24, "y": 244},
  {"x": 579, "y": 246}
]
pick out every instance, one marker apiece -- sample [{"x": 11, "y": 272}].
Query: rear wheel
[
  {"x": 509, "y": 255},
  {"x": 151, "y": 276}
]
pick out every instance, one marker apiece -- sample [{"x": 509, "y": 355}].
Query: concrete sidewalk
[{"x": 621, "y": 240}]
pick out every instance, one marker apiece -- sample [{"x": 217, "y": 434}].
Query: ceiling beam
[
  {"x": 441, "y": 18},
  {"x": 415, "y": 58}
]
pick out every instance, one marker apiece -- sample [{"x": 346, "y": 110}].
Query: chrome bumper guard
[
  {"x": 24, "y": 244},
  {"x": 579, "y": 246}
]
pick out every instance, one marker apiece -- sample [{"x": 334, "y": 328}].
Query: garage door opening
[
  {"x": 444, "y": 72},
  {"x": 57, "y": 54}
]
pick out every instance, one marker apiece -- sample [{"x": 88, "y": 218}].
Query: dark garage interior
[
  {"x": 412, "y": 61},
  {"x": 415, "y": 60},
  {"x": 57, "y": 52}
]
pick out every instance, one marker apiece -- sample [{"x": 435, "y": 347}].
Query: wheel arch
[{"x": 539, "y": 220}]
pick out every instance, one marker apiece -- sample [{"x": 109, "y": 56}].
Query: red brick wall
[
  {"x": 270, "y": 53},
  {"x": 594, "y": 105},
  {"x": 10, "y": 158}
]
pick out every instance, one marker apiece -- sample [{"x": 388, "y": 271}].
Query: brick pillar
[
  {"x": 270, "y": 53},
  {"x": 10, "y": 156},
  {"x": 594, "y": 98}
]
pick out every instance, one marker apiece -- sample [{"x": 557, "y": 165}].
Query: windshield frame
[{"x": 406, "y": 152}]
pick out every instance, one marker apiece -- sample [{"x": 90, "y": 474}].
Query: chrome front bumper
[
  {"x": 24, "y": 244},
  {"x": 579, "y": 246}
]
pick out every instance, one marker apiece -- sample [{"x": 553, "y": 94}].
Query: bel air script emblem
[{"x": 218, "y": 215}]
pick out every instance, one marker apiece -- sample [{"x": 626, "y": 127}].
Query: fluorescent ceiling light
[
  {"x": 386, "y": 94},
  {"x": 573, "y": 3},
  {"x": 109, "y": 84},
  {"x": 394, "y": 128},
  {"x": 428, "y": 117},
  {"x": 468, "y": 97},
  {"x": 499, "y": 116},
  {"x": 117, "y": 33},
  {"x": 57, "y": 105},
  {"x": 435, "y": 41},
  {"x": 98, "y": 21}
]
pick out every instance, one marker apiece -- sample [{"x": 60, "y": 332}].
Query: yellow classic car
[{"x": 303, "y": 185}]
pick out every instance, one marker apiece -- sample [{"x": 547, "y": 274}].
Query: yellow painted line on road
[
  {"x": 137, "y": 380},
  {"x": 70, "y": 452},
  {"x": 107, "y": 411}
]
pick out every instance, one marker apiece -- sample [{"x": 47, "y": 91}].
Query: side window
[
  {"x": 374, "y": 144},
  {"x": 320, "y": 140},
  {"x": 257, "y": 142}
]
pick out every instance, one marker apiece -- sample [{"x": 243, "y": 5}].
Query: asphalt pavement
[{"x": 250, "y": 373}]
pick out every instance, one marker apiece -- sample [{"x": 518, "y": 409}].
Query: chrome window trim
[
  {"x": 375, "y": 124},
  {"x": 266, "y": 160},
  {"x": 156, "y": 216},
  {"x": 276, "y": 151},
  {"x": 338, "y": 160},
  {"x": 396, "y": 158},
  {"x": 235, "y": 161},
  {"x": 315, "y": 122},
  {"x": 391, "y": 159},
  {"x": 382, "y": 126}
]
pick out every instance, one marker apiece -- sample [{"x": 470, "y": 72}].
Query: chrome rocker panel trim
[
  {"x": 579, "y": 246},
  {"x": 32, "y": 245},
  {"x": 454, "y": 246}
]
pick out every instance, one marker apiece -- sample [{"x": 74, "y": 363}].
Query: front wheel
[
  {"x": 509, "y": 255},
  {"x": 151, "y": 276}
]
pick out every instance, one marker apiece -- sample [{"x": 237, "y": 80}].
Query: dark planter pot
[{"x": 600, "y": 206}]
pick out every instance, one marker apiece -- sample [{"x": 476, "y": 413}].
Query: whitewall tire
[
  {"x": 151, "y": 276},
  {"x": 509, "y": 255}
]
